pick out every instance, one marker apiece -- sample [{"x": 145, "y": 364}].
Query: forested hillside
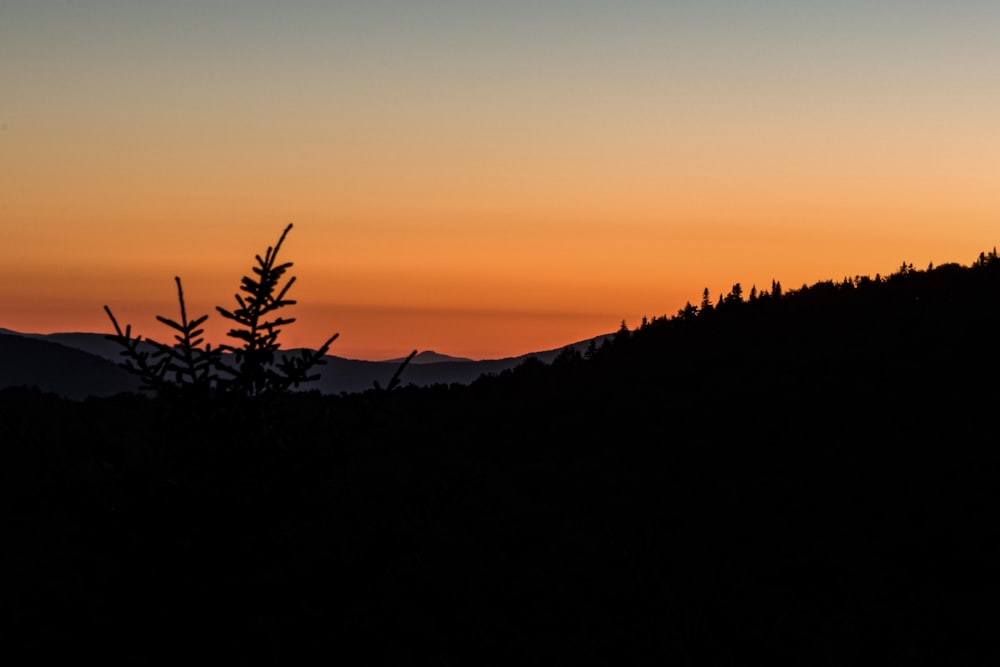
[{"x": 776, "y": 476}]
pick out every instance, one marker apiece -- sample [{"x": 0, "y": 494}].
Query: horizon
[
  {"x": 419, "y": 352},
  {"x": 480, "y": 180},
  {"x": 286, "y": 348}
]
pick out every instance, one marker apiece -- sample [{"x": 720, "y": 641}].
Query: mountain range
[{"x": 77, "y": 365}]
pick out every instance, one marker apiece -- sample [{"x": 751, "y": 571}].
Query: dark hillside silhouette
[
  {"x": 93, "y": 343},
  {"x": 57, "y": 368},
  {"x": 806, "y": 476},
  {"x": 336, "y": 375}
]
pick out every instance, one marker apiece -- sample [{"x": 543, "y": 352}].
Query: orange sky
[{"x": 490, "y": 183}]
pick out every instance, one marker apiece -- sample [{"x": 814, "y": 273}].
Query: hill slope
[
  {"x": 71, "y": 376},
  {"x": 804, "y": 478},
  {"x": 59, "y": 369}
]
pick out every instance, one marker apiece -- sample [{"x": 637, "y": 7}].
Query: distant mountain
[
  {"x": 96, "y": 344},
  {"x": 428, "y": 357},
  {"x": 79, "y": 364},
  {"x": 53, "y": 367}
]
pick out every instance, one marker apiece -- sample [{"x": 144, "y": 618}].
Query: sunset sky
[{"x": 483, "y": 178}]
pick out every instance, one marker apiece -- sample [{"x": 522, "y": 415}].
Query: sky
[{"x": 482, "y": 178}]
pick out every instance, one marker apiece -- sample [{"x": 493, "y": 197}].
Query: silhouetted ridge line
[{"x": 803, "y": 479}]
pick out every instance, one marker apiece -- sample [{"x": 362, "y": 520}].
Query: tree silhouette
[
  {"x": 706, "y": 303},
  {"x": 258, "y": 326},
  {"x": 192, "y": 366},
  {"x": 735, "y": 295},
  {"x": 189, "y": 368}
]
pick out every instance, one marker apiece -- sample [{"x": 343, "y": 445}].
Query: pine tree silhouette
[{"x": 192, "y": 369}]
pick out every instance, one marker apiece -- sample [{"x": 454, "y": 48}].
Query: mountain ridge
[{"x": 100, "y": 357}]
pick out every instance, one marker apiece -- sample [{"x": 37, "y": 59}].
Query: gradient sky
[{"x": 483, "y": 178}]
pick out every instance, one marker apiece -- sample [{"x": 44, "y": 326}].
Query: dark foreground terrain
[{"x": 788, "y": 479}]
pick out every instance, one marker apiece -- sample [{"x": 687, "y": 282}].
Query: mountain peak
[{"x": 429, "y": 357}]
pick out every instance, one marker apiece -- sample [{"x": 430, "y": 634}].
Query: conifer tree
[
  {"x": 190, "y": 369},
  {"x": 706, "y": 303}
]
